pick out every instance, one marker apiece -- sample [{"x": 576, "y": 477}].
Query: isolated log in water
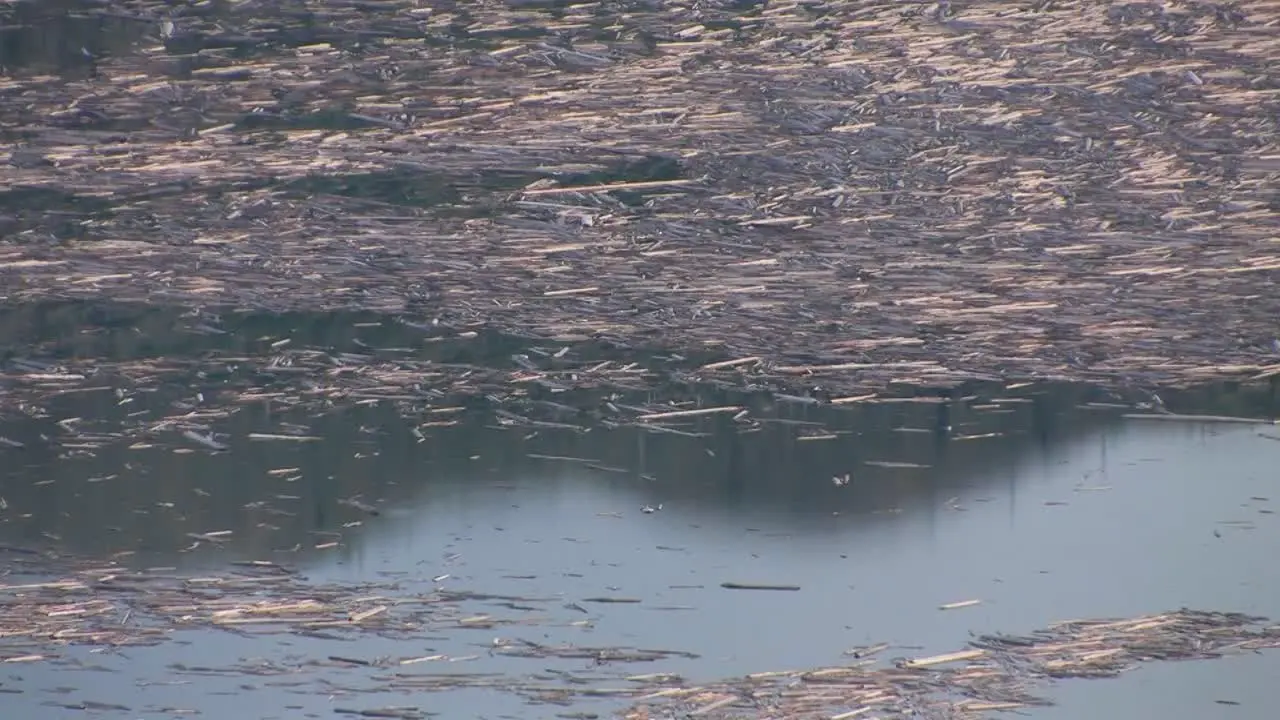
[{"x": 756, "y": 586}]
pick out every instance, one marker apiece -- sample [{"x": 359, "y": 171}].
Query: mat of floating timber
[
  {"x": 997, "y": 672},
  {"x": 1070, "y": 189},
  {"x": 109, "y": 604}
]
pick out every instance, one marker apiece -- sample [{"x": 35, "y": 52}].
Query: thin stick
[
  {"x": 690, "y": 413},
  {"x": 647, "y": 185}
]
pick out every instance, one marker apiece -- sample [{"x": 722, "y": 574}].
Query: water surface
[{"x": 1051, "y": 509}]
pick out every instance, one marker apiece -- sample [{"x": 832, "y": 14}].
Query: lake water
[
  {"x": 1041, "y": 502},
  {"x": 1034, "y": 501}
]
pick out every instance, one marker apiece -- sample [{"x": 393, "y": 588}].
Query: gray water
[{"x": 1065, "y": 511}]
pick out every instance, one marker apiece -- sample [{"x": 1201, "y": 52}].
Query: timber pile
[{"x": 1061, "y": 189}]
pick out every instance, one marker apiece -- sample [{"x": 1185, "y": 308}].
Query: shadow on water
[
  {"x": 1042, "y": 501},
  {"x": 64, "y": 331},
  {"x": 805, "y": 470},
  {"x": 59, "y": 36},
  {"x": 68, "y": 35}
]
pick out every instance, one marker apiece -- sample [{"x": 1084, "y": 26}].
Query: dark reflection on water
[
  {"x": 64, "y": 36},
  {"x": 61, "y": 331},
  {"x": 805, "y": 470}
]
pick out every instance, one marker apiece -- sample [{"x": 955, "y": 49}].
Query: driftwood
[
  {"x": 1064, "y": 189},
  {"x": 107, "y": 604},
  {"x": 995, "y": 673}
]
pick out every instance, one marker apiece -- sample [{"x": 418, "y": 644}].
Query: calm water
[{"x": 1060, "y": 511}]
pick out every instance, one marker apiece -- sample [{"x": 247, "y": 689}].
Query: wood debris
[
  {"x": 1070, "y": 189},
  {"x": 997, "y": 672}
]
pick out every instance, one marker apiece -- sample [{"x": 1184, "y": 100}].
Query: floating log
[{"x": 757, "y": 586}]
